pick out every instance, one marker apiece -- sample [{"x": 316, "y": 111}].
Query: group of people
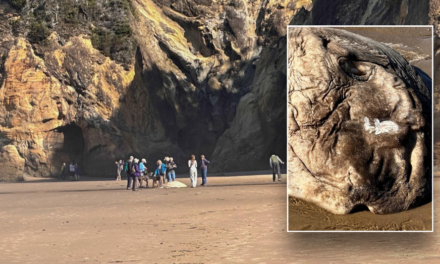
[
  {"x": 136, "y": 171},
  {"x": 70, "y": 172}
]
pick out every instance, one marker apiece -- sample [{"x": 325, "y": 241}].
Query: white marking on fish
[{"x": 380, "y": 127}]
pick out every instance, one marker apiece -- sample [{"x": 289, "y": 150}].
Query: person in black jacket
[{"x": 128, "y": 170}]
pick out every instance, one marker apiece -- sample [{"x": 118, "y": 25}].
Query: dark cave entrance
[
  {"x": 73, "y": 145},
  {"x": 359, "y": 208}
]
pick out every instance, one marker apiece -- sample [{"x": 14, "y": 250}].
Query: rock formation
[
  {"x": 92, "y": 81},
  {"x": 359, "y": 124}
]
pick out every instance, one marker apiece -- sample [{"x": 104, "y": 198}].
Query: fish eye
[{"x": 358, "y": 70}]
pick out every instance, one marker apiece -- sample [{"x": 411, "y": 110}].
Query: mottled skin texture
[{"x": 337, "y": 158}]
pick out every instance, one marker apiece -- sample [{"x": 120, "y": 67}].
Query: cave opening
[
  {"x": 73, "y": 144},
  {"x": 359, "y": 208}
]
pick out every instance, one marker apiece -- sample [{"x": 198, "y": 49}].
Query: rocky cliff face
[{"x": 92, "y": 81}]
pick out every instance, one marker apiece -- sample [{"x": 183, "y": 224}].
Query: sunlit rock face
[
  {"x": 93, "y": 81},
  {"x": 359, "y": 124}
]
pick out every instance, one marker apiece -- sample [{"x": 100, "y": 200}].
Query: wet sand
[
  {"x": 309, "y": 217},
  {"x": 413, "y": 43},
  {"x": 305, "y": 216}
]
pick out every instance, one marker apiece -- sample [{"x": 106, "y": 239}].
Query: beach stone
[{"x": 359, "y": 124}]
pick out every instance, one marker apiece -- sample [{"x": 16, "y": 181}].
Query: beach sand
[
  {"x": 304, "y": 216},
  {"x": 413, "y": 43},
  {"x": 234, "y": 220},
  {"x": 308, "y": 217}
]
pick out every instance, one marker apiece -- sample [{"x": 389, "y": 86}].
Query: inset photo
[{"x": 360, "y": 128}]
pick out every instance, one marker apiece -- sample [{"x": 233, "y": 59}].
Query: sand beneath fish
[{"x": 413, "y": 43}]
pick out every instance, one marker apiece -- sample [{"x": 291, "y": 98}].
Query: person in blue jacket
[
  {"x": 144, "y": 174},
  {"x": 160, "y": 171}
]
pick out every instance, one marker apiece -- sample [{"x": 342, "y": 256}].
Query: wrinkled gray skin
[{"x": 359, "y": 124}]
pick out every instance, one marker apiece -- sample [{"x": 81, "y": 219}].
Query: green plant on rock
[
  {"x": 18, "y": 4},
  {"x": 38, "y": 32},
  {"x": 123, "y": 29}
]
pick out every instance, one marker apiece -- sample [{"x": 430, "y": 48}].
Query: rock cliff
[{"x": 91, "y": 81}]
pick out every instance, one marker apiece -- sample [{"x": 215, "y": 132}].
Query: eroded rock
[
  {"x": 93, "y": 82},
  {"x": 359, "y": 124},
  {"x": 12, "y": 164}
]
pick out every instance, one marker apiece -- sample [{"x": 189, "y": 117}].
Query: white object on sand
[{"x": 175, "y": 184}]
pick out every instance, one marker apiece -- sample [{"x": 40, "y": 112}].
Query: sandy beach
[
  {"x": 413, "y": 43},
  {"x": 308, "y": 217},
  {"x": 233, "y": 220}
]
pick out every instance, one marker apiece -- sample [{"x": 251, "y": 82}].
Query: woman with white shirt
[{"x": 192, "y": 164}]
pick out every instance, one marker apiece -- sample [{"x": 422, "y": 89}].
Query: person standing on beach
[
  {"x": 160, "y": 171},
  {"x": 136, "y": 174},
  {"x": 121, "y": 166},
  {"x": 204, "y": 169},
  {"x": 166, "y": 160},
  {"x": 72, "y": 170},
  {"x": 144, "y": 174},
  {"x": 77, "y": 172},
  {"x": 118, "y": 170},
  {"x": 275, "y": 165},
  {"x": 128, "y": 166},
  {"x": 172, "y": 166},
  {"x": 62, "y": 172},
  {"x": 192, "y": 164}
]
